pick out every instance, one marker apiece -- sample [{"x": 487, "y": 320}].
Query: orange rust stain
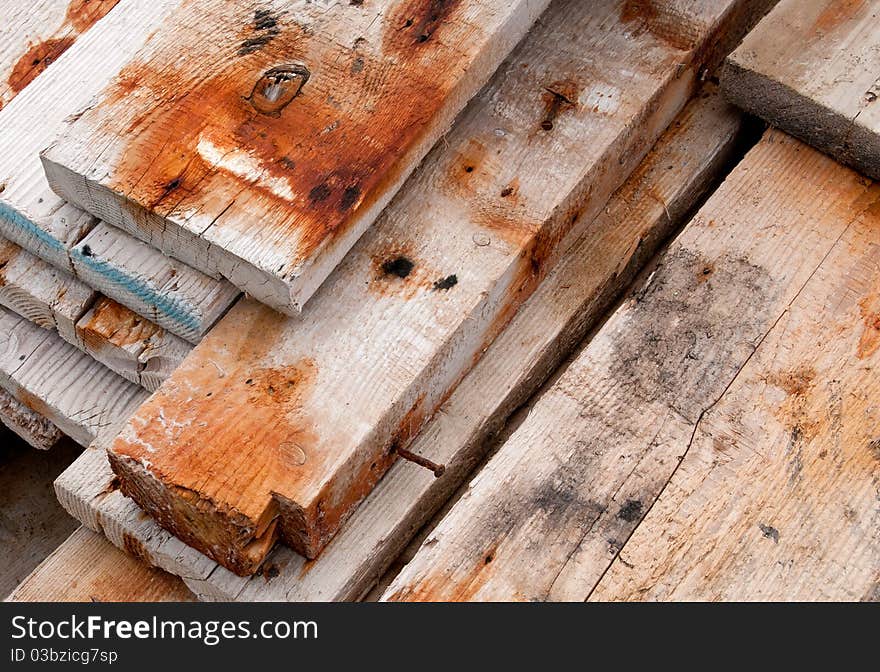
[
  {"x": 135, "y": 548},
  {"x": 83, "y": 14},
  {"x": 112, "y": 322},
  {"x": 330, "y": 163},
  {"x": 439, "y": 585},
  {"x": 37, "y": 59},
  {"x": 661, "y": 21},
  {"x": 34, "y": 403},
  {"x": 869, "y": 342},
  {"x": 795, "y": 383},
  {"x": 837, "y": 12},
  {"x": 413, "y": 24}
]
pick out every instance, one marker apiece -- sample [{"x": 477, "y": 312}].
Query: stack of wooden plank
[{"x": 249, "y": 280}]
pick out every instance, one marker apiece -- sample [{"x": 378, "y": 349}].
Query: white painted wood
[
  {"x": 171, "y": 294},
  {"x": 30, "y": 426},
  {"x": 482, "y": 221},
  {"x": 563, "y": 309},
  {"x": 812, "y": 68},
  {"x": 273, "y": 200},
  {"x": 82, "y": 398},
  {"x": 549, "y": 513}
]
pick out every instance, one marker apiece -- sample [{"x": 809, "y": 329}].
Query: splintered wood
[
  {"x": 271, "y": 429},
  {"x": 269, "y": 150},
  {"x": 812, "y": 68},
  {"x": 732, "y": 399}
]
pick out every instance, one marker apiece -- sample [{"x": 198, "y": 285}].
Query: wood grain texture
[
  {"x": 29, "y": 425},
  {"x": 35, "y": 218},
  {"x": 81, "y": 397},
  {"x": 169, "y": 293},
  {"x": 34, "y": 34},
  {"x": 564, "y": 307},
  {"x": 418, "y": 300},
  {"x": 87, "y": 568},
  {"x": 268, "y": 152},
  {"x": 32, "y": 523},
  {"x": 596, "y": 451},
  {"x": 812, "y": 68}
]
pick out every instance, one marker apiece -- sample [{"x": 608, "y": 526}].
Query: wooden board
[
  {"x": 812, "y": 68},
  {"x": 268, "y": 152},
  {"x": 416, "y": 303},
  {"x": 564, "y": 307},
  {"x": 87, "y": 568},
  {"x": 34, "y": 34},
  {"x": 29, "y": 425},
  {"x": 38, "y": 220},
  {"x": 592, "y": 456},
  {"x": 32, "y": 523},
  {"x": 84, "y": 399}
]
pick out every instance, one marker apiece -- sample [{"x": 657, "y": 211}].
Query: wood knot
[{"x": 277, "y": 87}]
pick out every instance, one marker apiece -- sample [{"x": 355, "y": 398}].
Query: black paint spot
[
  {"x": 631, "y": 511},
  {"x": 319, "y": 193},
  {"x": 266, "y": 29},
  {"x": 86, "y": 251},
  {"x": 399, "y": 266},
  {"x": 769, "y": 532},
  {"x": 349, "y": 197},
  {"x": 446, "y": 283}
]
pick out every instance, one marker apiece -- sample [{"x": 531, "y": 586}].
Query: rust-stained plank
[
  {"x": 812, "y": 68},
  {"x": 269, "y": 150},
  {"x": 87, "y": 568},
  {"x": 34, "y": 34},
  {"x": 318, "y": 420},
  {"x": 669, "y": 182},
  {"x": 691, "y": 379}
]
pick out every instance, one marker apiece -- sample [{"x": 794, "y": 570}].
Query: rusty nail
[{"x": 438, "y": 469}]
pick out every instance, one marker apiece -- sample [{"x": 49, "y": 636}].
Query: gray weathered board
[
  {"x": 812, "y": 68},
  {"x": 732, "y": 399},
  {"x": 671, "y": 180},
  {"x": 268, "y": 151}
]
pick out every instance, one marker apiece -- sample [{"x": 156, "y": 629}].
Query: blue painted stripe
[{"x": 19, "y": 221}]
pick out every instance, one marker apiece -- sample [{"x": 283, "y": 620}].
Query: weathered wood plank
[
  {"x": 564, "y": 307},
  {"x": 32, "y": 523},
  {"x": 35, "y": 218},
  {"x": 294, "y": 130},
  {"x": 184, "y": 301},
  {"x": 30, "y": 426},
  {"x": 812, "y": 68},
  {"x": 592, "y": 456},
  {"x": 84, "y": 399},
  {"x": 418, "y": 300},
  {"x": 87, "y": 568},
  {"x": 776, "y": 498},
  {"x": 34, "y": 34}
]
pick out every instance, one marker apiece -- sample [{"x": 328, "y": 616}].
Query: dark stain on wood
[
  {"x": 414, "y": 22},
  {"x": 560, "y": 97},
  {"x": 661, "y": 21}
]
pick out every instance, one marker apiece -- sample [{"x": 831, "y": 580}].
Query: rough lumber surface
[
  {"x": 32, "y": 523},
  {"x": 87, "y": 568},
  {"x": 29, "y": 425},
  {"x": 269, "y": 151},
  {"x": 562, "y": 310},
  {"x": 184, "y": 301},
  {"x": 34, "y": 34},
  {"x": 34, "y": 217},
  {"x": 81, "y": 397},
  {"x": 812, "y": 68},
  {"x": 418, "y": 300},
  {"x": 593, "y": 455}
]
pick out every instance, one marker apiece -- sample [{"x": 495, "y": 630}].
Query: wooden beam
[
  {"x": 29, "y": 425},
  {"x": 593, "y": 455},
  {"x": 295, "y": 130},
  {"x": 812, "y": 68},
  {"x": 87, "y": 568},
  {"x": 34, "y": 34},
  {"x": 84, "y": 399},
  {"x": 652, "y": 203},
  {"x": 414, "y": 306}
]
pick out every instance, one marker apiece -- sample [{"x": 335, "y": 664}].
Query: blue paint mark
[
  {"x": 19, "y": 221},
  {"x": 168, "y": 307}
]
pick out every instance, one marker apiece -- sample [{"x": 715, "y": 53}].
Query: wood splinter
[{"x": 438, "y": 469}]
